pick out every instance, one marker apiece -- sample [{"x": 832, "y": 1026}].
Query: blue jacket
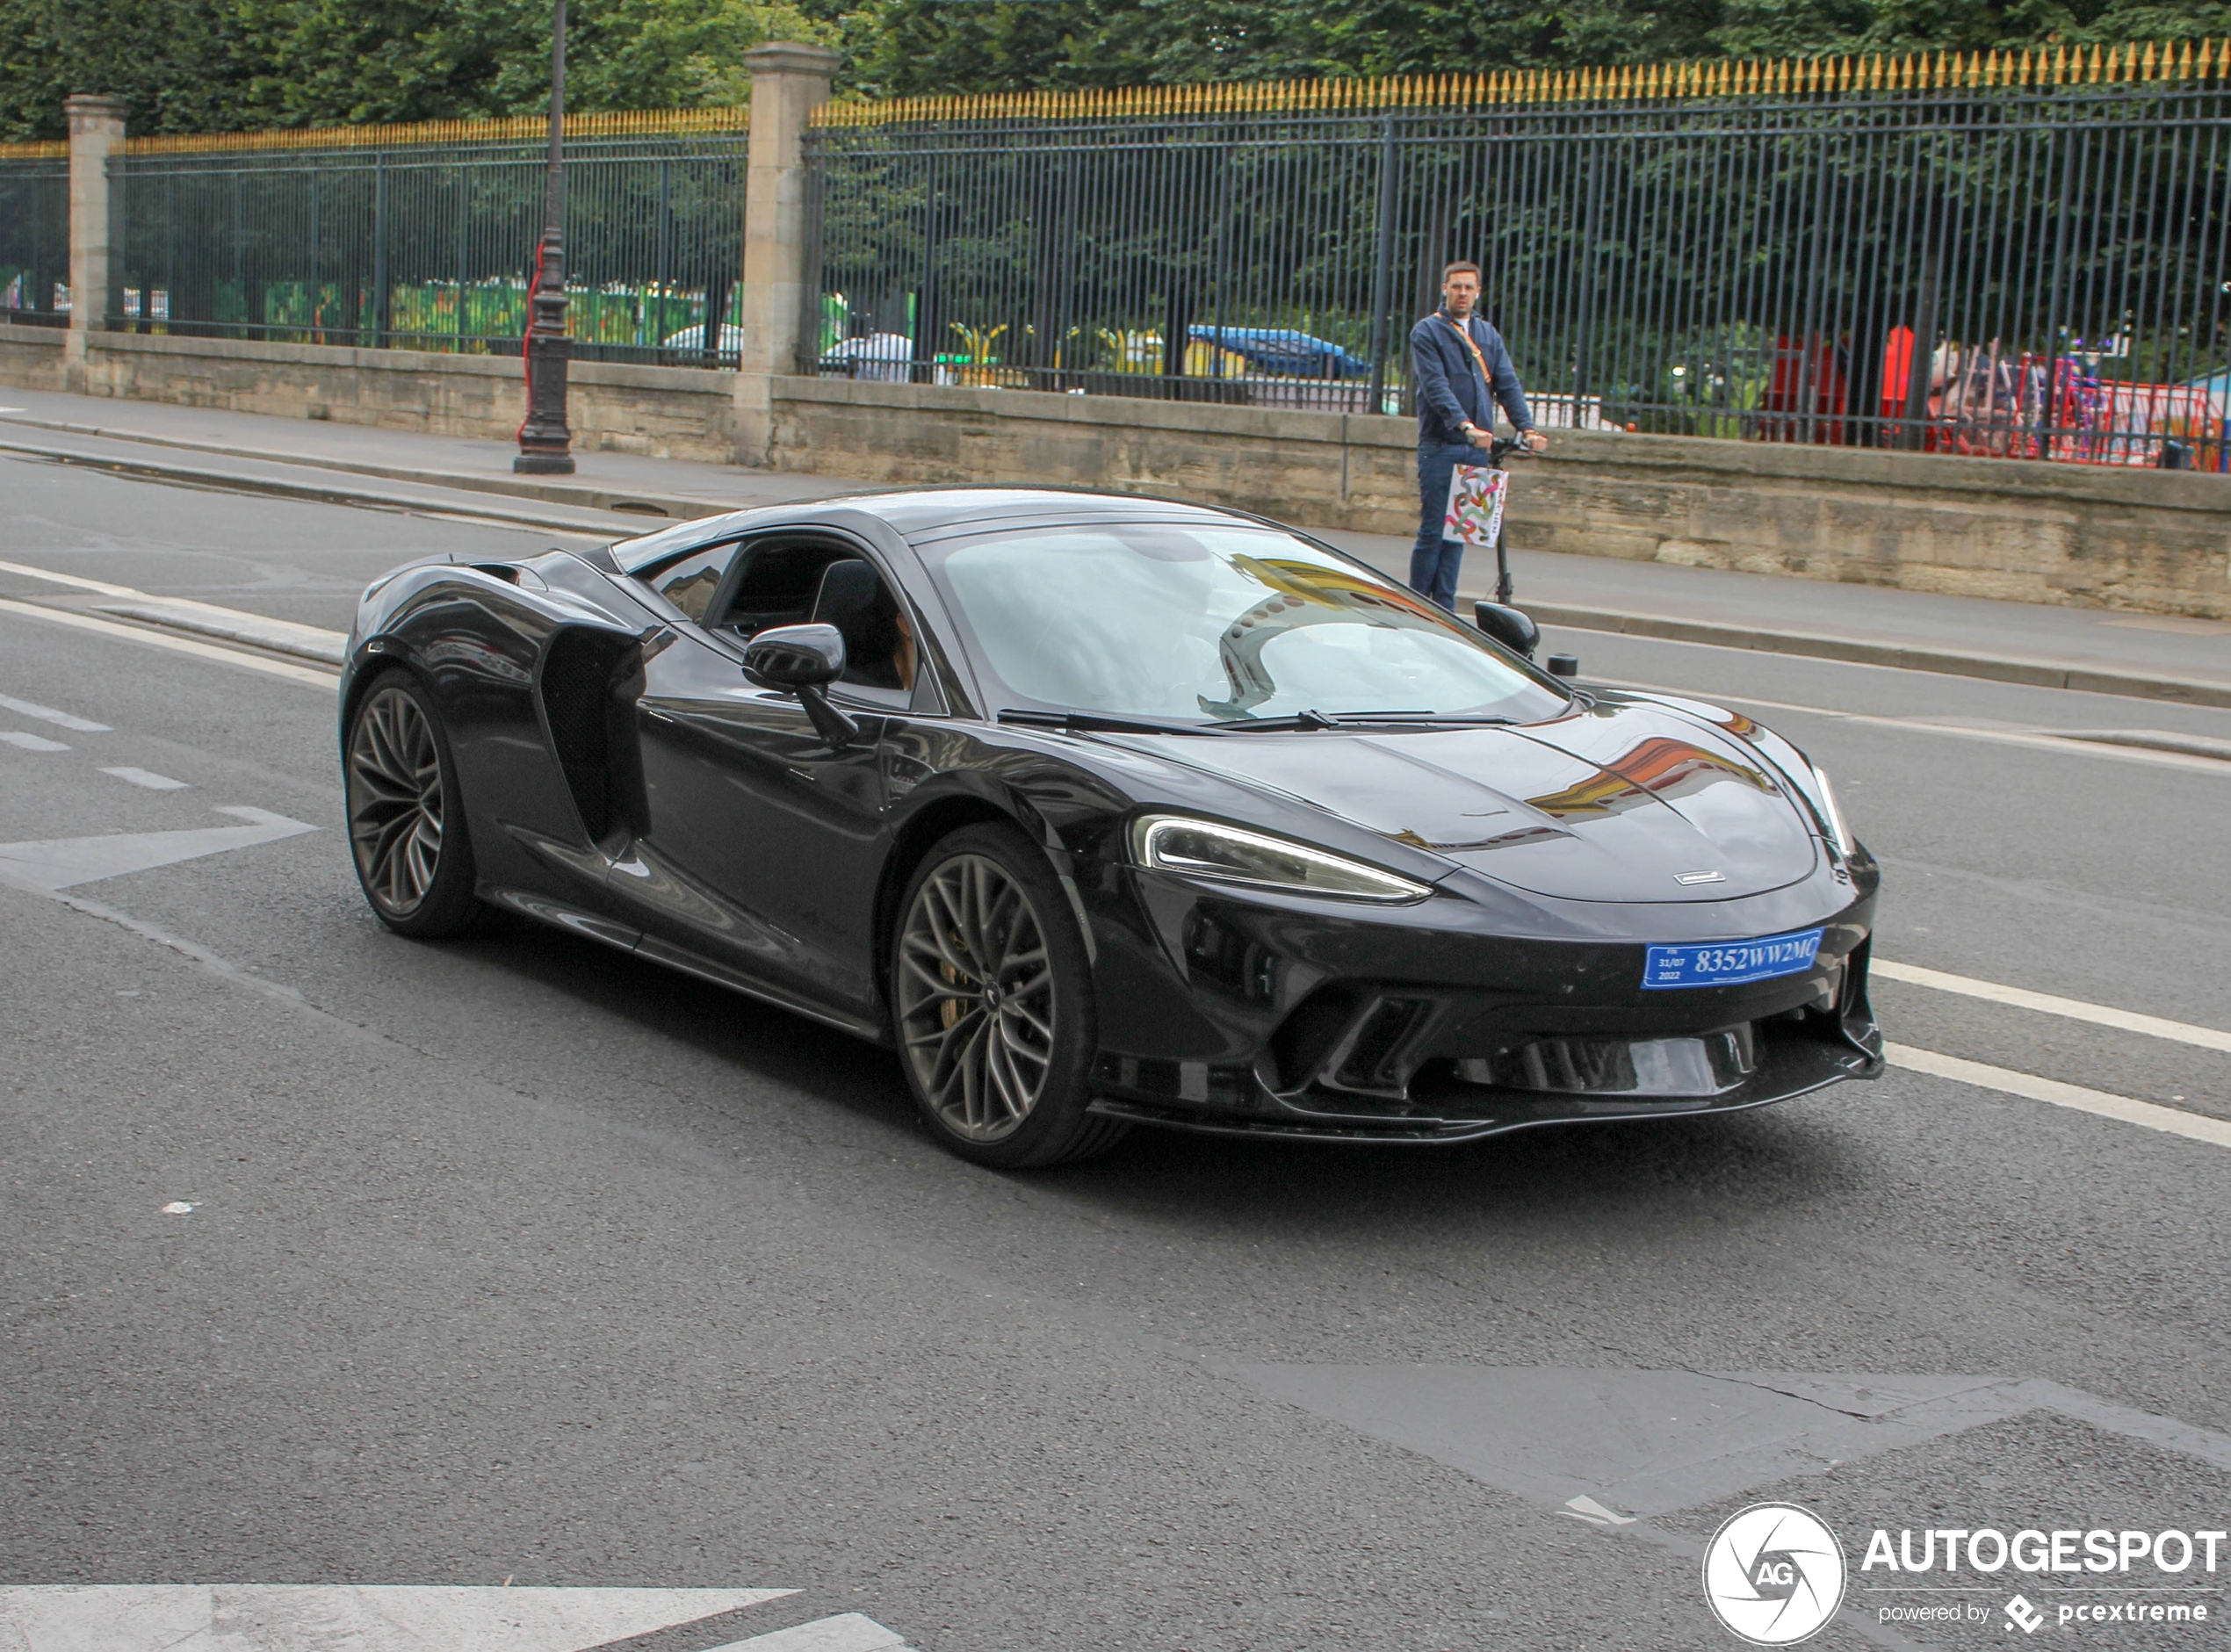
[{"x": 1449, "y": 388}]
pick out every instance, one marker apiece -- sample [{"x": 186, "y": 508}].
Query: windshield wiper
[
  {"x": 1101, "y": 723},
  {"x": 1305, "y": 720},
  {"x": 1094, "y": 723}
]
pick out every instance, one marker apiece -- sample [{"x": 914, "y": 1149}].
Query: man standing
[{"x": 1460, "y": 370}]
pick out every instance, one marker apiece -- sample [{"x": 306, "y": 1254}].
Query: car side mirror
[
  {"x": 804, "y": 660},
  {"x": 1514, "y": 629}
]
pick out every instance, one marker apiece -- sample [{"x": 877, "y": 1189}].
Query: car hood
[{"x": 1615, "y": 802}]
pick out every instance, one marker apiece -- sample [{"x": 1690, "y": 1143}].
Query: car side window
[
  {"x": 691, "y": 581},
  {"x": 777, "y": 584},
  {"x": 879, "y": 654},
  {"x": 742, "y": 589}
]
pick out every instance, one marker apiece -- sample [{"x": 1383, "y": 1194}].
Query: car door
[{"x": 763, "y": 840}]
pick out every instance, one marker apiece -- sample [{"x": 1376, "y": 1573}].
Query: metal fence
[
  {"x": 2021, "y": 270},
  {"x": 34, "y": 239},
  {"x": 430, "y": 246}
]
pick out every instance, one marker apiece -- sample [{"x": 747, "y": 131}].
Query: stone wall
[
  {"x": 665, "y": 412},
  {"x": 2071, "y": 534},
  {"x": 2082, "y": 535}
]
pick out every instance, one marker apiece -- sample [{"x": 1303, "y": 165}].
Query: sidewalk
[{"x": 2151, "y": 656}]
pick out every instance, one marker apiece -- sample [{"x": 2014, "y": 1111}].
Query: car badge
[{"x": 1700, "y": 877}]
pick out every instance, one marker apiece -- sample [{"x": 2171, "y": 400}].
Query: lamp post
[{"x": 545, "y": 445}]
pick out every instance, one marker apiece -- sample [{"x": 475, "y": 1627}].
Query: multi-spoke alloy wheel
[
  {"x": 402, "y": 817},
  {"x": 992, "y": 997},
  {"x": 975, "y": 998}
]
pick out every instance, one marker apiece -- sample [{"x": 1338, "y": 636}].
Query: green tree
[
  {"x": 219, "y": 64},
  {"x": 199, "y": 65}
]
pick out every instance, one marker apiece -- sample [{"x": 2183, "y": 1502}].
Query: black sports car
[{"x": 1105, "y": 810}]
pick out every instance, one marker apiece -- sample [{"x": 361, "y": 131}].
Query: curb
[
  {"x": 585, "y": 495},
  {"x": 323, "y": 494},
  {"x": 2039, "y": 673},
  {"x": 299, "y": 642}
]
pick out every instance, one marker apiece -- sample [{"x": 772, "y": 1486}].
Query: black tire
[
  {"x": 997, "y": 1052},
  {"x": 407, "y": 827}
]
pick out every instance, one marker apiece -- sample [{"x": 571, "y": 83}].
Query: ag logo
[{"x": 1774, "y": 1574}]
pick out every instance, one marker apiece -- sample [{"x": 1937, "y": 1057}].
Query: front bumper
[{"x": 1244, "y": 1015}]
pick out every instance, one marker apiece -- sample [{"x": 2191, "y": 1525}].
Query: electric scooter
[{"x": 1513, "y": 627}]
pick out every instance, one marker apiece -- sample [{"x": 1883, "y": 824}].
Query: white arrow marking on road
[
  {"x": 846, "y": 1632},
  {"x": 1586, "y": 1508},
  {"x": 62, "y": 863},
  {"x": 341, "y": 1617}
]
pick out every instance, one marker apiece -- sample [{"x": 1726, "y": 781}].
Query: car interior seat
[{"x": 851, "y": 597}]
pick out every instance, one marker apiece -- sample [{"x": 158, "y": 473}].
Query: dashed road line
[
  {"x": 47, "y": 714},
  {"x": 2048, "y": 1004},
  {"x": 30, "y": 742},
  {"x": 2171, "y": 1121},
  {"x": 147, "y": 777}
]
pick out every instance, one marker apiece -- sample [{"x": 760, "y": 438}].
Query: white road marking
[
  {"x": 2035, "y": 739},
  {"x": 340, "y": 1618},
  {"x": 30, "y": 742},
  {"x": 847, "y": 1632},
  {"x": 2045, "y": 1003},
  {"x": 57, "y": 863},
  {"x": 76, "y": 581},
  {"x": 226, "y": 625},
  {"x": 148, "y": 638},
  {"x": 177, "y": 1207},
  {"x": 2173, "y": 1121},
  {"x": 147, "y": 777},
  {"x": 47, "y": 714},
  {"x": 1586, "y": 1508},
  {"x": 230, "y": 621}
]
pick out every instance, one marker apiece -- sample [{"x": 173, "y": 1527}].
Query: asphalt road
[{"x": 515, "y": 1258}]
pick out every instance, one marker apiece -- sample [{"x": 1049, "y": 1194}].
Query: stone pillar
[
  {"x": 787, "y": 81},
  {"x": 95, "y": 128}
]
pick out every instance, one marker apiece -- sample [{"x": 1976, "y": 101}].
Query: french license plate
[{"x": 1731, "y": 963}]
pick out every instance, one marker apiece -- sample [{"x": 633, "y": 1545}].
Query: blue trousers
[{"x": 1434, "y": 561}]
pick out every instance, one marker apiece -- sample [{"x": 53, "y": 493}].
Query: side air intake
[{"x": 589, "y": 682}]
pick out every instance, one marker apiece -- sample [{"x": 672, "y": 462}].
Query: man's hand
[
  {"x": 1478, "y": 438},
  {"x": 1537, "y": 442}
]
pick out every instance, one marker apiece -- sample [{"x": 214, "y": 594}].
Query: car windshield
[{"x": 1209, "y": 623}]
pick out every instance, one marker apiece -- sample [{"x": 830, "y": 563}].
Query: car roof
[
  {"x": 936, "y": 513},
  {"x": 924, "y": 513}
]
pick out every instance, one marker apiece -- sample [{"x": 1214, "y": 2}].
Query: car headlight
[
  {"x": 1839, "y": 836},
  {"x": 1204, "y": 848}
]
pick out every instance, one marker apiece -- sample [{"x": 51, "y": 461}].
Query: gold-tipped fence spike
[{"x": 2206, "y": 59}]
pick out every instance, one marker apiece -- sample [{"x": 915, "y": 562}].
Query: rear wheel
[
  {"x": 405, "y": 827},
  {"x": 992, "y": 997}
]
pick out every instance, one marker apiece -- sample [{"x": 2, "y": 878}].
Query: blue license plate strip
[{"x": 1731, "y": 963}]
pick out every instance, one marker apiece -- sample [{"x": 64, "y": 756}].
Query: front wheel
[
  {"x": 990, "y": 996},
  {"x": 406, "y": 824}
]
